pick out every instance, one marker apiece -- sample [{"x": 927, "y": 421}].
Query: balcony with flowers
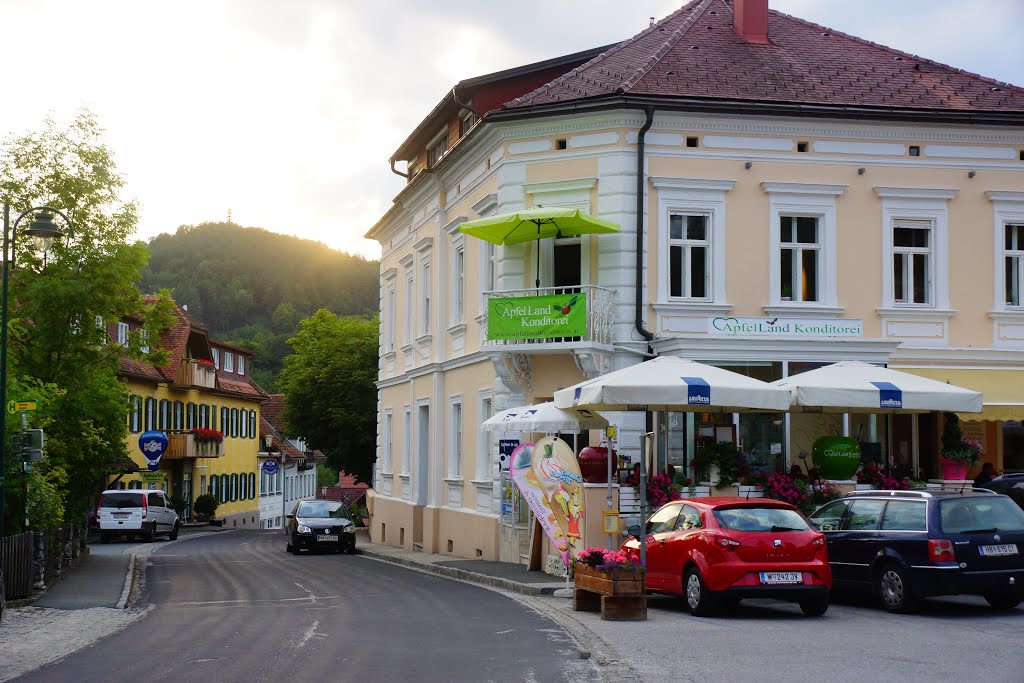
[
  {"x": 194, "y": 443},
  {"x": 197, "y": 372}
]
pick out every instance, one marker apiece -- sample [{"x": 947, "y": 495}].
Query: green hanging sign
[{"x": 537, "y": 317}]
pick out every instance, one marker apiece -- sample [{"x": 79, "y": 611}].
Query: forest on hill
[{"x": 251, "y": 287}]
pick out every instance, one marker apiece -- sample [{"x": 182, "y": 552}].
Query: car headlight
[
  {"x": 348, "y": 528},
  {"x": 303, "y": 529}
]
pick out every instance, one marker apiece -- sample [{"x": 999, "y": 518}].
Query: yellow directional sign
[{"x": 15, "y": 406}]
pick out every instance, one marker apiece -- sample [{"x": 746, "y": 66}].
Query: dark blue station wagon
[{"x": 908, "y": 545}]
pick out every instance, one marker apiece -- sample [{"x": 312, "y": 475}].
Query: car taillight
[
  {"x": 145, "y": 507},
  {"x": 726, "y": 542},
  {"x": 819, "y": 542},
  {"x": 941, "y": 550}
]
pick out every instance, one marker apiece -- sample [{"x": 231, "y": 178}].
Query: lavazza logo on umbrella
[
  {"x": 698, "y": 391},
  {"x": 889, "y": 395}
]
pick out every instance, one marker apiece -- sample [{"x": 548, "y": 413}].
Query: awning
[{"x": 1002, "y": 390}]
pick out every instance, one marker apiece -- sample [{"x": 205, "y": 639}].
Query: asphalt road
[{"x": 236, "y": 607}]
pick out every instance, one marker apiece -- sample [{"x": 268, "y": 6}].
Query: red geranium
[{"x": 203, "y": 435}]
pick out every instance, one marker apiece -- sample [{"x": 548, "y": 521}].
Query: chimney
[{"x": 750, "y": 19}]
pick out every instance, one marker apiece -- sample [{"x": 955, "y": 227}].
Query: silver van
[{"x": 136, "y": 512}]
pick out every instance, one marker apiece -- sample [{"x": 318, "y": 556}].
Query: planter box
[
  {"x": 617, "y": 582},
  {"x": 619, "y": 595}
]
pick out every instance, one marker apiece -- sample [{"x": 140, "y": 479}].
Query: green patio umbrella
[{"x": 533, "y": 224}]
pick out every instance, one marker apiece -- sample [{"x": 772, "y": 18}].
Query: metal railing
[{"x": 600, "y": 311}]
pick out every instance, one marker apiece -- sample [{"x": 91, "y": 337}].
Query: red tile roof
[
  {"x": 696, "y": 53},
  {"x": 273, "y": 410}
]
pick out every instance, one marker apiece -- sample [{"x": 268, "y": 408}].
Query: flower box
[{"x": 617, "y": 582}]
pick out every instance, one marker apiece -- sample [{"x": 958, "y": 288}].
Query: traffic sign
[{"x": 15, "y": 406}]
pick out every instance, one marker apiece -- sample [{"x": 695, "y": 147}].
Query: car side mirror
[
  {"x": 289, "y": 516},
  {"x": 634, "y": 530}
]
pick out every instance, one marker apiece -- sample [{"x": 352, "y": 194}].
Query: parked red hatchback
[{"x": 716, "y": 551}]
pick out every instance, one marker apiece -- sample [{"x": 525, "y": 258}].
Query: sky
[{"x": 285, "y": 112}]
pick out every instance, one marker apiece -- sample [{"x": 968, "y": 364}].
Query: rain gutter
[{"x": 638, "y": 322}]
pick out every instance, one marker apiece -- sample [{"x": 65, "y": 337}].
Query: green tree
[
  {"x": 54, "y": 339},
  {"x": 331, "y": 396}
]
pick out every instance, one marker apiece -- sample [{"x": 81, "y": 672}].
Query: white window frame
[
  {"x": 1015, "y": 253},
  {"x": 457, "y": 313},
  {"x": 798, "y": 248},
  {"x": 241, "y": 364},
  {"x": 229, "y": 361},
  {"x": 1008, "y": 209},
  {"x": 406, "y": 439},
  {"x": 216, "y": 357},
  {"x": 806, "y": 200},
  {"x": 425, "y": 296},
  {"x": 122, "y": 334},
  {"x": 437, "y": 148},
  {"x": 410, "y": 308},
  {"x": 388, "y": 437},
  {"x": 692, "y": 196},
  {"x": 389, "y": 319},
  {"x": 484, "y": 440},
  {"x": 102, "y": 328},
  {"x": 908, "y": 254},
  {"x": 455, "y": 437},
  {"x": 686, "y": 245},
  {"x": 144, "y": 340},
  {"x": 925, "y": 205}
]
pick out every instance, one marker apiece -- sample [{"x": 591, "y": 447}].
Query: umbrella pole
[{"x": 537, "y": 258}]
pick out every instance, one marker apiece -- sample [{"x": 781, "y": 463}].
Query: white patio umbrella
[
  {"x": 544, "y": 417},
  {"x": 856, "y": 387},
  {"x": 672, "y": 384}
]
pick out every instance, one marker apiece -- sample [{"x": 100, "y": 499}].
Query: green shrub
[{"x": 205, "y": 506}]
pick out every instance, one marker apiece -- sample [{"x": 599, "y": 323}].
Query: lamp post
[{"x": 43, "y": 231}]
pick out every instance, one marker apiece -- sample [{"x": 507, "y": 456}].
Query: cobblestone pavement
[{"x": 33, "y": 636}]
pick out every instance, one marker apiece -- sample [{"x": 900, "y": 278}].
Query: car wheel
[
  {"x": 151, "y": 533},
  {"x": 698, "y": 597},
  {"x": 1003, "y": 601},
  {"x": 290, "y": 547},
  {"x": 129, "y": 537},
  {"x": 894, "y": 590},
  {"x": 174, "y": 532},
  {"x": 814, "y": 607}
]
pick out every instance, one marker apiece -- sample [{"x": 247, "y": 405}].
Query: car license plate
[
  {"x": 120, "y": 515},
  {"x": 327, "y": 539},
  {"x": 994, "y": 550},
  {"x": 769, "y": 578}
]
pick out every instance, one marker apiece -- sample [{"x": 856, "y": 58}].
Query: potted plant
[
  {"x": 205, "y": 507},
  {"x": 958, "y": 454},
  {"x": 722, "y": 463},
  {"x": 608, "y": 572},
  {"x": 661, "y": 490},
  {"x": 792, "y": 490},
  {"x": 752, "y": 484}
]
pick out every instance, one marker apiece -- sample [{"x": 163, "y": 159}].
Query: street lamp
[{"x": 43, "y": 231}]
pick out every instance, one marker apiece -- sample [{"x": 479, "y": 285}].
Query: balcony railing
[
  {"x": 192, "y": 373},
  {"x": 181, "y": 444},
  {"x": 543, "y": 316}
]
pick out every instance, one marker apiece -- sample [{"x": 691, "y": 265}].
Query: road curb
[
  {"x": 462, "y": 574},
  {"x": 129, "y": 577}
]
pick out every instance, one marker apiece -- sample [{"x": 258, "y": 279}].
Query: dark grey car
[{"x": 320, "y": 525}]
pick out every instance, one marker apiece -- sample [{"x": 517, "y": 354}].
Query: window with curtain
[{"x": 799, "y": 249}]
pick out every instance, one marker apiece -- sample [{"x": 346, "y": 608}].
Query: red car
[{"x": 717, "y": 551}]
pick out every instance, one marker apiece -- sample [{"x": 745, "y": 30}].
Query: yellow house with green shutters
[{"x": 204, "y": 400}]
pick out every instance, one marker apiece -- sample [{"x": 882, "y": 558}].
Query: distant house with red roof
[{"x": 788, "y": 196}]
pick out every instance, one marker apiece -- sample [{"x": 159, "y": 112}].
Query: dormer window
[
  {"x": 216, "y": 358},
  {"x": 229, "y": 361},
  {"x": 122, "y": 334},
  {"x": 241, "y": 364},
  {"x": 467, "y": 122},
  {"x": 437, "y": 149}
]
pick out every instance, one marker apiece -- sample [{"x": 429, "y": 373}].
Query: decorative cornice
[
  {"x": 715, "y": 184},
  {"x": 1005, "y": 195},
  {"x": 916, "y": 192},
  {"x": 921, "y": 314},
  {"x": 802, "y": 310},
  {"x": 406, "y": 261},
  {"x": 389, "y": 274},
  {"x": 423, "y": 244},
  {"x": 453, "y": 225},
  {"x": 487, "y": 204},
  {"x": 694, "y": 308},
  {"x": 803, "y": 188}
]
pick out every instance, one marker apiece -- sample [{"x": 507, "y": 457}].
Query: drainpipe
[
  {"x": 640, "y": 178},
  {"x": 468, "y": 106},
  {"x": 397, "y": 172}
]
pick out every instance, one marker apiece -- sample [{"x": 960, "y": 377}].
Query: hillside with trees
[{"x": 251, "y": 287}]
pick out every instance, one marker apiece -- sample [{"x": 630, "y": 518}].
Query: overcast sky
[{"x": 286, "y": 111}]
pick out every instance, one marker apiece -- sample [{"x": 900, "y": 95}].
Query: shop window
[{"x": 1013, "y": 446}]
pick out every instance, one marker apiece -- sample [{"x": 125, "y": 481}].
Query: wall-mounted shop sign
[
  {"x": 537, "y": 317},
  {"x": 785, "y": 327}
]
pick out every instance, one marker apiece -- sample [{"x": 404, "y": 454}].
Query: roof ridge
[
  {"x": 522, "y": 99},
  {"x": 901, "y": 53},
  {"x": 669, "y": 43}
]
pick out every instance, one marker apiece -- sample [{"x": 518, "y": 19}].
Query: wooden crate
[{"x": 619, "y": 595}]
